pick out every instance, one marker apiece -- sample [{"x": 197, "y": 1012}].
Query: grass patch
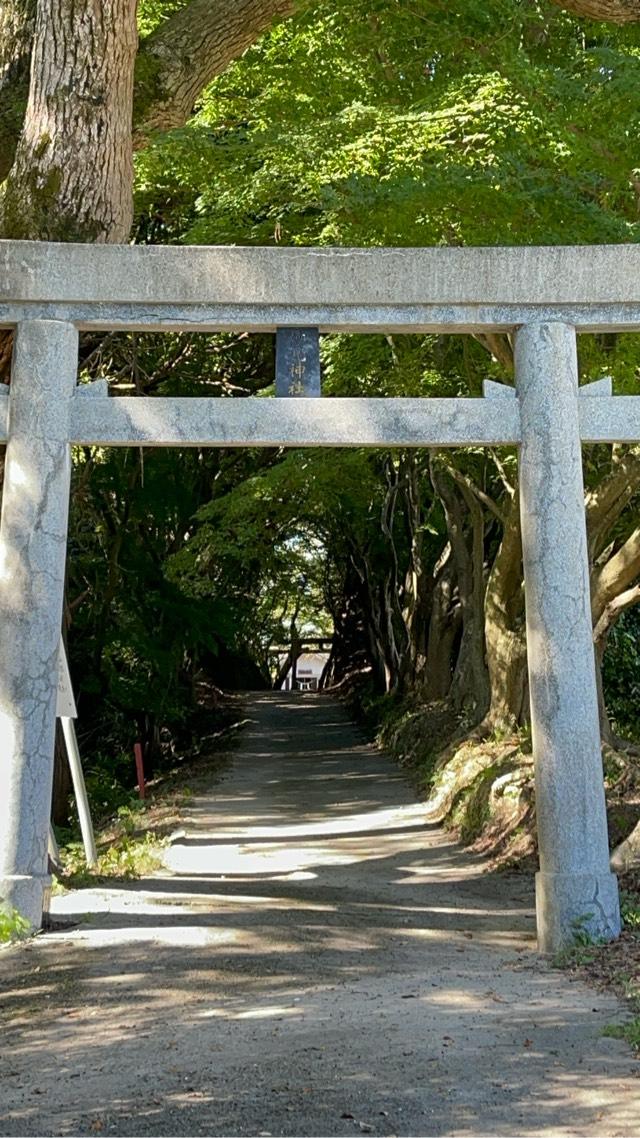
[{"x": 629, "y": 1031}]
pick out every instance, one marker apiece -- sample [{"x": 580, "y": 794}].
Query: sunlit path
[{"x": 315, "y": 960}]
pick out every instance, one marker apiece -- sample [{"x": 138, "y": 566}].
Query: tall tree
[{"x": 73, "y": 79}]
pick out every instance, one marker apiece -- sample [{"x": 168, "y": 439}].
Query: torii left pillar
[{"x": 33, "y": 546}]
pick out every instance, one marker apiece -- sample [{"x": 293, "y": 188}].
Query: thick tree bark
[
  {"x": 72, "y": 178},
  {"x": 183, "y": 55},
  {"x": 17, "y": 18},
  {"x": 444, "y": 626},
  {"x": 173, "y": 65},
  {"x": 610, "y": 580},
  {"x": 505, "y": 628},
  {"x": 418, "y": 583},
  {"x": 609, "y": 11},
  {"x": 470, "y": 685},
  {"x": 607, "y": 501}
]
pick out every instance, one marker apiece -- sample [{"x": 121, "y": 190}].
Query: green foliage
[
  {"x": 384, "y": 125},
  {"x": 630, "y": 910},
  {"x": 621, "y": 674},
  {"x": 365, "y": 125},
  {"x": 129, "y": 851},
  {"x": 629, "y": 1031},
  {"x": 381, "y": 125},
  {"x": 12, "y": 925}
]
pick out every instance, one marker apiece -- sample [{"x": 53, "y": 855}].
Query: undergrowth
[
  {"x": 131, "y": 840},
  {"x": 480, "y": 784},
  {"x": 12, "y": 926},
  {"x": 126, "y": 849}
]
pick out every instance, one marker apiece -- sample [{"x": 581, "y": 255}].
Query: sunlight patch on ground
[
  {"x": 251, "y": 1013},
  {"x": 243, "y": 861},
  {"x": 195, "y": 936},
  {"x": 395, "y": 817}
]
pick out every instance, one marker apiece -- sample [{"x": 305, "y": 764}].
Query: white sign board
[{"x": 66, "y": 705}]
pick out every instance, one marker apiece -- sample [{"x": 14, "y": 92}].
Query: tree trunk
[
  {"x": 17, "y": 18},
  {"x": 505, "y": 630},
  {"x": 181, "y": 57},
  {"x": 444, "y": 626},
  {"x": 609, "y": 11},
  {"x": 174, "y": 64},
  {"x": 470, "y": 683},
  {"x": 72, "y": 178},
  {"x": 418, "y": 582}
]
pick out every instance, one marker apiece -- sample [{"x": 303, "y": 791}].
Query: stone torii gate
[{"x": 542, "y": 295}]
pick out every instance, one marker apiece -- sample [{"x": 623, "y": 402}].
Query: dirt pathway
[{"x": 315, "y": 961}]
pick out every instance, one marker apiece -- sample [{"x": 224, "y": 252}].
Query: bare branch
[
  {"x": 498, "y": 346},
  {"x": 467, "y": 483},
  {"x": 606, "y": 502},
  {"x": 619, "y": 572},
  {"x": 614, "y": 610},
  {"x": 504, "y": 478}
]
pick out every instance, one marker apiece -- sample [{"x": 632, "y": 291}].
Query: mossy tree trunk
[
  {"x": 72, "y": 177},
  {"x": 73, "y": 81},
  {"x": 17, "y": 20}
]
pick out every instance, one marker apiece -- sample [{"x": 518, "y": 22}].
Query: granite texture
[
  {"x": 333, "y": 289},
  {"x": 252, "y": 316},
  {"x": 65, "y": 287},
  {"x": 33, "y": 539},
  {"x": 613, "y": 420},
  {"x": 575, "y": 887},
  {"x": 134, "y": 421},
  {"x": 547, "y": 275}
]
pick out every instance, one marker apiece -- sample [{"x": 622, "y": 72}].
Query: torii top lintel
[{"x": 335, "y": 289}]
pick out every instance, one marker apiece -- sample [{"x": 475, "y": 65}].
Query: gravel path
[{"x": 315, "y": 961}]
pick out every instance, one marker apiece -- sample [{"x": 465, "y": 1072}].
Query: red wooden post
[{"x": 137, "y": 750}]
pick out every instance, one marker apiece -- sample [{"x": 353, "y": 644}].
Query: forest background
[{"x": 394, "y": 122}]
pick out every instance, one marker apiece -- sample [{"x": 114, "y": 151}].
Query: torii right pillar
[{"x": 575, "y": 890}]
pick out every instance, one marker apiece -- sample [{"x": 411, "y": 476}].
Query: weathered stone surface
[
  {"x": 437, "y": 289},
  {"x": 597, "y": 389},
  {"x": 572, "y": 904},
  {"x": 575, "y": 887},
  {"x": 131, "y": 421},
  {"x": 191, "y": 316},
  {"x": 162, "y": 274},
  {"x": 33, "y": 537},
  {"x": 614, "y": 420},
  {"x": 363, "y": 290}
]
